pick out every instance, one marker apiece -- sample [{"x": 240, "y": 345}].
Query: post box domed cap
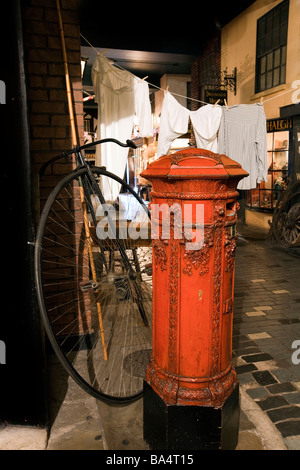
[{"x": 194, "y": 163}]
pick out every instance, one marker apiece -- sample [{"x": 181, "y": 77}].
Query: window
[
  {"x": 267, "y": 193},
  {"x": 271, "y": 47}
]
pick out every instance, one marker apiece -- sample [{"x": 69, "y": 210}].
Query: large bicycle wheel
[{"x": 95, "y": 294}]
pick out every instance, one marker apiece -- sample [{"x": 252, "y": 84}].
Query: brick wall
[
  {"x": 50, "y": 132},
  {"x": 50, "y": 135},
  {"x": 211, "y": 51}
]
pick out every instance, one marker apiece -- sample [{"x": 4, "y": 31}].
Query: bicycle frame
[
  {"x": 82, "y": 163},
  {"x": 77, "y": 151}
]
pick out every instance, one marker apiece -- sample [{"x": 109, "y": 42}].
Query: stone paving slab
[
  {"x": 263, "y": 340},
  {"x": 262, "y": 354},
  {"x": 269, "y": 382},
  {"x": 23, "y": 438}
]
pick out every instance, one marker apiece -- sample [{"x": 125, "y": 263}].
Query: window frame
[{"x": 271, "y": 48}]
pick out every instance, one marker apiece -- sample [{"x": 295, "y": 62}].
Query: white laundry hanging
[
  {"x": 174, "y": 123},
  {"x": 206, "y": 123},
  {"x": 120, "y": 96},
  {"x": 243, "y": 137}
]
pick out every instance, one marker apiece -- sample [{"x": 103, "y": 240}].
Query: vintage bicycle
[{"x": 93, "y": 272}]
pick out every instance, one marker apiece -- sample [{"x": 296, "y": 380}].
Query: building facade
[{"x": 262, "y": 45}]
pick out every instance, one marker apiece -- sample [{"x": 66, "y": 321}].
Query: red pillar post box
[{"x": 191, "y": 389}]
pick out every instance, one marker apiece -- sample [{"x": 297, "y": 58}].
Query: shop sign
[
  {"x": 211, "y": 96},
  {"x": 279, "y": 124}
]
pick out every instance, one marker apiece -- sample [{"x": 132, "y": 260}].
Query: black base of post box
[{"x": 176, "y": 427}]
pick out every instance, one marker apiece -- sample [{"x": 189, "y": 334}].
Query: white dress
[{"x": 120, "y": 96}]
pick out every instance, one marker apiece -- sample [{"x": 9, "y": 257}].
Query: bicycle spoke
[{"x": 74, "y": 289}]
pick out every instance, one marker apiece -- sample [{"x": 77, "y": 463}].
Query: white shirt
[
  {"x": 243, "y": 137},
  {"x": 174, "y": 123}
]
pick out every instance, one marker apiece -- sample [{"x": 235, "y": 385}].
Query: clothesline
[
  {"x": 182, "y": 96},
  {"x": 152, "y": 84},
  {"x": 283, "y": 93}
]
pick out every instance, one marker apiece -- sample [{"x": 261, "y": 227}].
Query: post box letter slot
[
  {"x": 227, "y": 306},
  {"x": 230, "y": 209}
]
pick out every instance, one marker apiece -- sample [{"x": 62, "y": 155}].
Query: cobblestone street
[{"x": 266, "y": 326}]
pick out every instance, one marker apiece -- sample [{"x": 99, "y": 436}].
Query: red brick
[
  {"x": 73, "y": 57},
  {"x": 39, "y": 119},
  {"x": 69, "y": 4},
  {"x": 40, "y": 144},
  {"x": 34, "y": 12},
  {"x": 64, "y": 168},
  {"x": 45, "y": 55},
  {"x": 38, "y": 94},
  {"x": 73, "y": 44},
  {"x": 43, "y": 3},
  {"x": 76, "y": 84},
  {"x": 68, "y": 16},
  {"x": 34, "y": 40},
  {"x": 71, "y": 30},
  {"x": 56, "y": 69},
  {"x": 77, "y": 96},
  {"x": 54, "y": 42},
  {"x": 51, "y": 14},
  {"x": 49, "y": 132},
  {"x": 42, "y": 156},
  {"x": 60, "y": 120},
  {"x": 55, "y": 82},
  {"x": 48, "y": 182},
  {"x": 36, "y": 81},
  {"x": 58, "y": 95},
  {"x": 47, "y": 107},
  {"x": 62, "y": 144},
  {"x": 78, "y": 107},
  {"x": 41, "y": 27},
  {"x": 79, "y": 120},
  {"x": 38, "y": 68},
  {"x": 75, "y": 71}
]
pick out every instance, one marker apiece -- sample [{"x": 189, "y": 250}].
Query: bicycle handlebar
[{"x": 129, "y": 143}]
